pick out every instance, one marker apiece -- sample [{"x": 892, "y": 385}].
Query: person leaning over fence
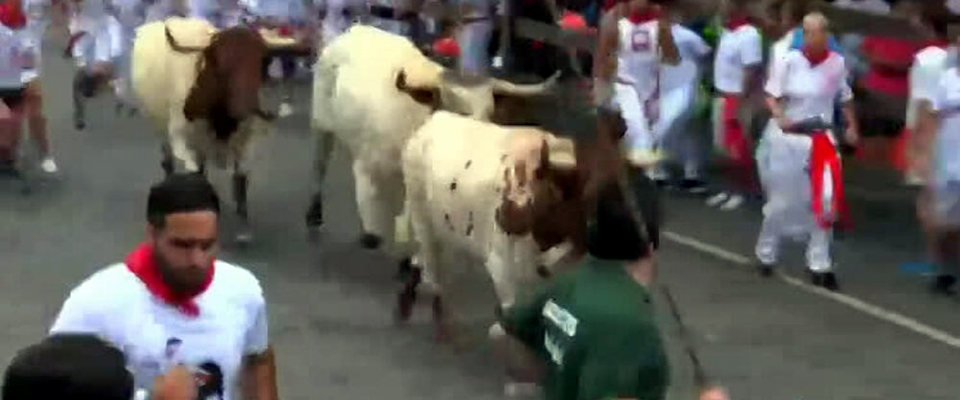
[{"x": 84, "y": 367}]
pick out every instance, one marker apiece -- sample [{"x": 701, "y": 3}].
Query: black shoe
[
  {"x": 830, "y": 282},
  {"x": 765, "y": 270},
  {"x": 943, "y": 284},
  {"x": 816, "y": 278},
  {"x": 694, "y": 186},
  {"x": 826, "y": 280}
]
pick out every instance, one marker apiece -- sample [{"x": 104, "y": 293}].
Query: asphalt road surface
[{"x": 330, "y": 302}]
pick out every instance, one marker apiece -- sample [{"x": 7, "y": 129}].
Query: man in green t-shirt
[{"x": 593, "y": 330}]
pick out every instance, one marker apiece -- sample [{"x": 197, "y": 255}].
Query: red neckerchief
[
  {"x": 11, "y": 15},
  {"x": 940, "y": 43},
  {"x": 140, "y": 261},
  {"x": 639, "y": 17},
  {"x": 822, "y": 156},
  {"x": 815, "y": 57},
  {"x": 736, "y": 21},
  {"x": 608, "y": 4}
]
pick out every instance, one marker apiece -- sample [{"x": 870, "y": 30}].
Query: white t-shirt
[
  {"x": 946, "y": 102},
  {"x": 808, "y": 90},
  {"x": 871, "y": 6},
  {"x": 154, "y": 336},
  {"x": 638, "y": 57},
  {"x": 736, "y": 51},
  {"x": 693, "y": 49},
  {"x": 925, "y": 73},
  {"x": 15, "y": 49}
]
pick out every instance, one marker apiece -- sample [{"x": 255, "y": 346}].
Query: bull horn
[
  {"x": 281, "y": 44},
  {"x": 562, "y": 153},
  {"x": 508, "y": 88},
  {"x": 421, "y": 73},
  {"x": 176, "y": 46}
]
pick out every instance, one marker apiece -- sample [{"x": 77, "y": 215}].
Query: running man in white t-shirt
[
  {"x": 928, "y": 66},
  {"x": 171, "y": 302},
  {"x": 679, "y": 87},
  {"x": 635, "y": 39},
  {"x": 736, "y": 73},
  {"x": 802, "y": 201},
  {"x": 938, "y": 165}
]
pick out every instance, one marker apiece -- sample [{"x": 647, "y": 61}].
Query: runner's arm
[
  {"x": 605, "y": 58},
  {"x": 669, "y": 54},
  {"x": 259, "y": 367}
]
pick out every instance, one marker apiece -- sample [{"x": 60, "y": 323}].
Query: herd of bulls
[{"x": 447, "y": 167}]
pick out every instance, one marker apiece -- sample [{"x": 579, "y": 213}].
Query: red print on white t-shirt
[{"x": 640, "y": 40}]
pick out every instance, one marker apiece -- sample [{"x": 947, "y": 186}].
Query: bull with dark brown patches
[
  {"x": 515, "y": 208},
  {"x": 224, "y": 100}
]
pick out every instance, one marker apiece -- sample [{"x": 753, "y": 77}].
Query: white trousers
[
  {"x": 101, "y": 45},
  {"x": 640, "y": 134},
  {"x": 677, "y": 108},
  {"x": 474, "y": 41},
  {"x": 782, "y": 162}
]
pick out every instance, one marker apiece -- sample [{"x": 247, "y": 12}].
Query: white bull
[
  {"x": 484, "y": 193},
  {"x": 200, "y": 87},
  {"x": 371, "y": 90}
]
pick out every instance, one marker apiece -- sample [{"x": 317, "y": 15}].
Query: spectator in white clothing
[{"x": 172, "y": 302}]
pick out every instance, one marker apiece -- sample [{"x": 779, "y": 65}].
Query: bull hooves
[
  {"x": 370, "y": 241},
  {"x": 543, "y": 271},
  {"x": 404, "y": 309},
  {"x": 405, "y": 270}
]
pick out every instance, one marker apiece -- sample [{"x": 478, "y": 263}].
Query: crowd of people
[{"x": 591, "y": 331}]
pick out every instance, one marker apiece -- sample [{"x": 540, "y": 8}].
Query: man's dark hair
[
  {"x": 68, "y": 367},
  {"x": 615, "y": 232},
  {"x": 180, "y": 193}
]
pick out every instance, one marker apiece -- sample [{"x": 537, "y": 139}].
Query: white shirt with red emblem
[
  {"x": 638, "y": 57},
  {"x": 114, "y": 304},
  {"x": 737, "y": 50}
]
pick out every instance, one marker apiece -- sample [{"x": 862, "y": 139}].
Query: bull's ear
[{"x": 428, "y": 96}]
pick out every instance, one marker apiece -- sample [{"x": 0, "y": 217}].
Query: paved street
[{"x": 330, "y": 302}]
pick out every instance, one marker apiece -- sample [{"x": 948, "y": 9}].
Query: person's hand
[
  {"x": 851, "y": 135},
  {"x": 177, "y": 384},
  {"x": 714, "y": 393},
  {"x": 784, "y": 123}
]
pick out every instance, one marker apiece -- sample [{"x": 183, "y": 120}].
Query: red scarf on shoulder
[
  {"x": 141, "y": 262},
  {"x": 11, "y": 14}
]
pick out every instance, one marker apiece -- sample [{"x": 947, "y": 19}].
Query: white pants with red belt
[{"x": 783, "y": 161}]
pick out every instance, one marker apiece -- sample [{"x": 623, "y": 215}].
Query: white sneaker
[
  {"x": 718, "y": 198},
  {"x": 520, "y": 389},
  {"x": 497, "y": 62},
  {"x": 286, "y": 110},
  {"x": 48, "y": 165},
  {"x": 733, "y": 203}
]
